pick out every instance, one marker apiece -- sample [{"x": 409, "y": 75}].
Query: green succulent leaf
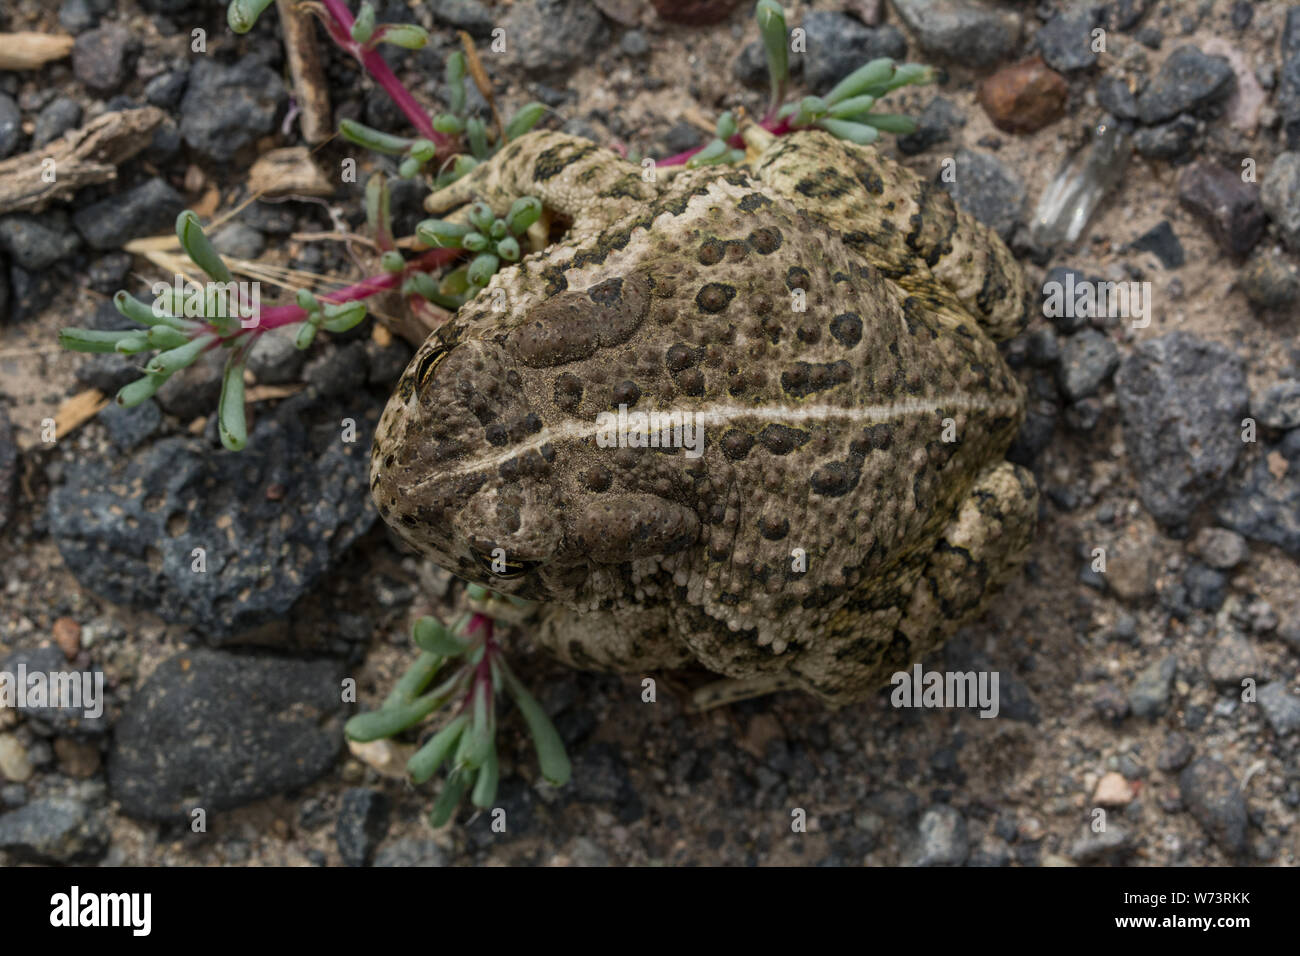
[
  {"x": 485, "y": 784},
  {"x": 363, "y": 28},
  {"x": 363, "y": 135},
  {"x": 445, "y": 806},
  {"x": 132, "y": 342},
  {"x": 424, "y": 762},
  {"x": 198, "y": 247},
  {"x": 165, "y": 337},
  {"x": 870, "y": 76},
  {"x": 173, "y": 360},
  {"x": 523, "y": 213},
  {"x": 524, "y": 119},
  {"x": 853, "y": 132},
  {"x": 552, "y": 759},
  {"x": 440, "y": 233},
  {"x": 231, "y": 422},
  {"x": 90, "y": 340},
  {"x": 408, "y": 36},
  {"x": 342, "y": 316},
  {"x": 448, "y": 124},
  {"x": 430, "y": 635},
  {"x": 771, "y": 26},
  {"x": 474, "y": 241},
  {"x": 848, "y": 109},
  {"x": 243, "y": 14},
  {"x": 392, "y": 261},
  {"x": 508, "y": 249},
  {"x": 133, "y": 393},
  {"x": 476, "y": 135},
  {"x": 482, "y": 268},
  {"x": 306, "y": 335},
  {"x": 890, "y": 122}
]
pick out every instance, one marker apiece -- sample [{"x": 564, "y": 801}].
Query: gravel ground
[{"x": 1161, "y": 690}]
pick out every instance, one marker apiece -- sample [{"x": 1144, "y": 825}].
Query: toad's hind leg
[
  {"x": 908, "y": 228},
  {"x": 979, "y": 550}
]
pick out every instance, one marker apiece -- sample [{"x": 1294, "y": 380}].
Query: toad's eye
[
  {"x": 502, "y": 567},
  {"x": 425, "y": 369}
]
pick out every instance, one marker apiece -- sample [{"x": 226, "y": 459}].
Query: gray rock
[
  {"x": 1281, "y": 707},
  {"x": 1088, "y": 359},
  {"x": 238, "y": 240},
  {"x": 1181, "y": 401},
  {"x": 1230, "y": 207},
  {"x": 54, "y": 830},
  {"x": 274, "y": 359},
  {"x": 194, "y": 391},
  {"x": 339, "y": 371},
  {"x": 468, "y": 15},
  {"x": 386, "y": 362},
  {"x": 130, "y": 427},
  {"x": 217, "y": 731},
  {"x": 1278, "y": 406},
  {"x": 633, "y": 43},
  {"x": 1212, "y": 796},
  {"x": 962, "y": 30},
  {"x": 1288, "y": 92},
  {"x": 1206, "y": 588},
  {"x": 548, "y": 38},
  {"x": 839, "y": 44},
  {"x": 262, "y": 552},
  {"x": 987, "y": 190},
  {"x": 1220, "y": 548},
  {"x": 1265, "y": 507},
  {"x": 362, "y": 824},
  {"x": 1280, "y": 194},
  {"x": 1115, "y": 96},
  {"x": 1176, "y": 752},
  {"x": 1173, "y": 140},
  {"x": 100, "y": 58},
  {"x": 1162, "y": 242},
  {"x": 30, "y": 291},
  {"x": 1270, "y": 281},
  {"x": 78, "y": 16},
  {"x": 943, "y": 837},
  {"x": 166, "y": 89},
  {"x": 107, "y": 274},
  {"x": 936, "y": 124},
  {"x": 226, "y": 108},
  {"x": 11, "y": 126},
  {"x": 1149, "y": 696},
  {"x": 1066, "y": 40},
  {"x": 1126, "y": 14},
  {"x": 67, "y": 720},
  {"x": 1114, "y": 841},
  {"x": 411, "y": 853},
  {"x": 1231, "y": 660},
  {"x": 37, "y": 242},
  {"x": 61, "y": 115},
  {"x": 1188, "y": 80},
  {"x": 149, "y": 208}
]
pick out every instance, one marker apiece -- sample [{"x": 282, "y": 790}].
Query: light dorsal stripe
[{"x": 718, "y": 415}]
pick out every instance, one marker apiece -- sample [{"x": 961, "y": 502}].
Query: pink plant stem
[
  {"x": 378, "y": 68},
  {"x": 288, "y": 314},
  {"x": 773, "y": 126}
]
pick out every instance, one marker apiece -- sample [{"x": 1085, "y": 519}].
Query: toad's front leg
[{"x": 573, "y": 177}]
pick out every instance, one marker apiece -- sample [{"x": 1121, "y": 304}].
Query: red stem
[
  {"x": 288, "y": 314},
  {"x": 378, "y": 68}
]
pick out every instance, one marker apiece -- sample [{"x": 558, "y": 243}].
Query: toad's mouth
[{"x": 718, "y": 416}]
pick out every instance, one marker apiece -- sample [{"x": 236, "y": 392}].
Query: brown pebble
[
  {"x": 67, "y": 634},
  {"x": 1024, "y": 97}
]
